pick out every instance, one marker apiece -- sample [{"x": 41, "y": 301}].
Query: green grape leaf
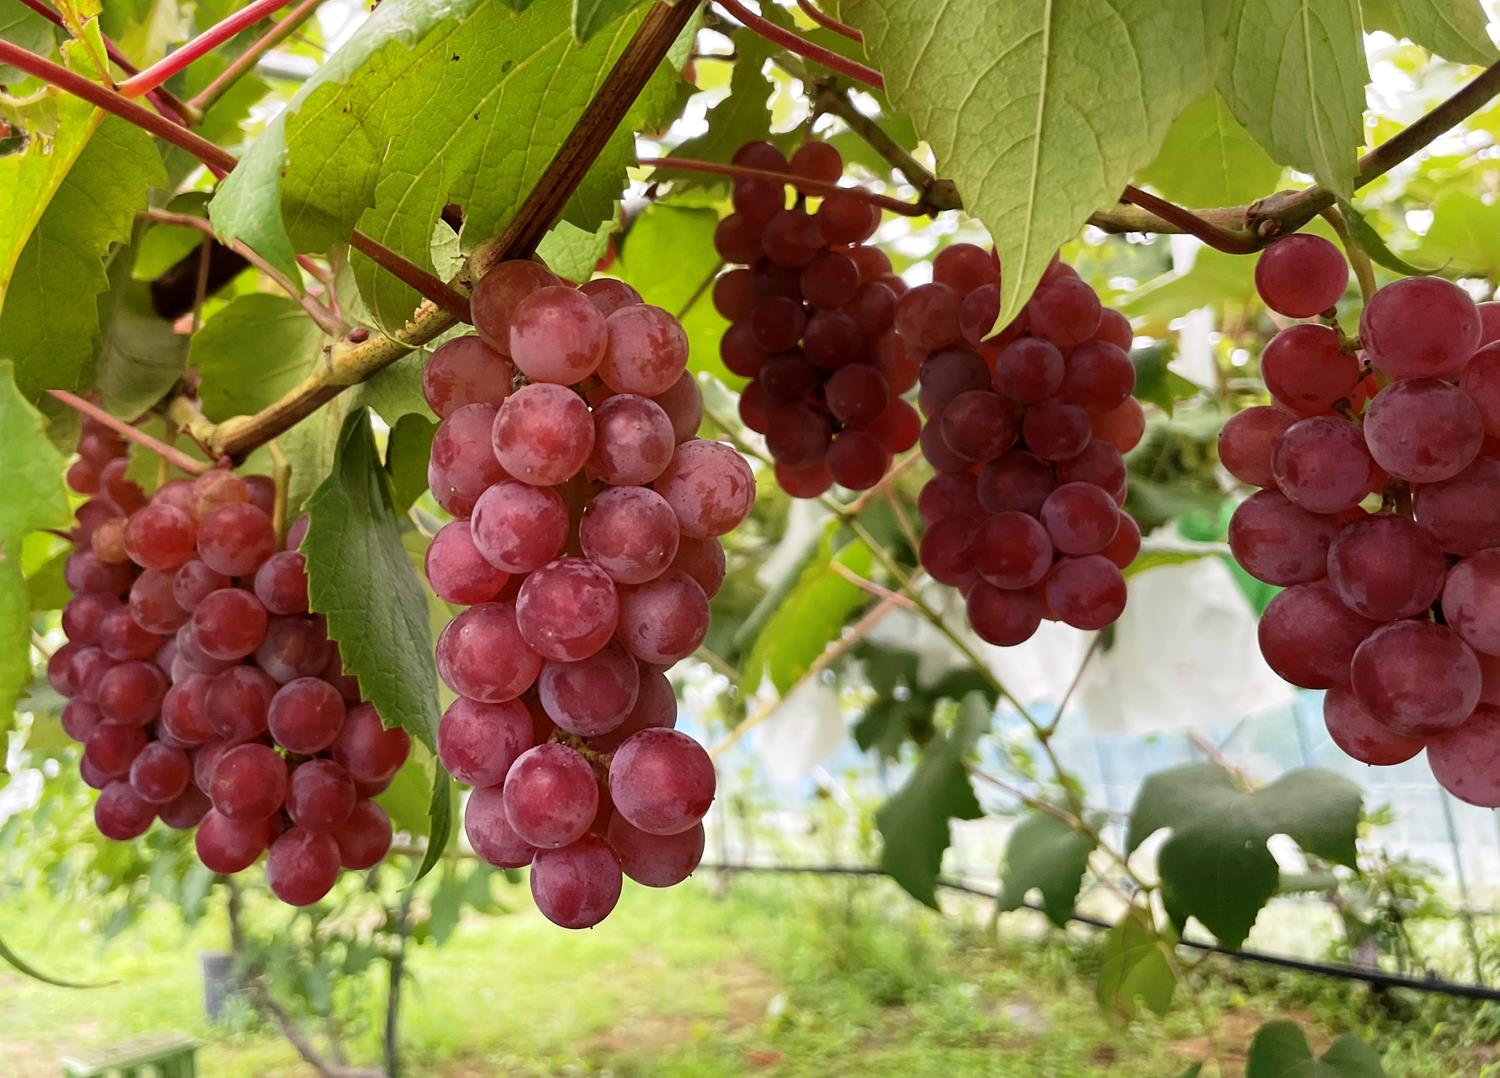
[
  {"x": 743, "y": 116},
  {"x": 21, "y": 26},
  {"x": 1452, "y": 29},
  {"x": 1155, "y": 383},
  {"x": 46, "y": 588},
  {"x": 1045, "y": 853},
  {"x": 913, "y": 822},
  {"x": 1215, "y": 279},
  {"x": 138, "y": 356},
  {"x": 1136, "y": 967},
  {"x": 592, "y": 16},
  {"x": 1373, "y": 244},
  {"x": 668, "y": 256},
  {"x": 406, "y": 454},
  {"x": 50, "y": 312},
  {"x": 1280, "y": 1050},
  {"x": 1293, "y": 72},
  {"x": 572, "y": 252},
  {"x": 1215, "y": 865},
  {"x": 251, "y": 351},
  {"x": 1008, "y": 96},
  {"x": 1208, "y": 159},
  {"x": 810, "y": 617},
  {"x": 1465, "y": 233}
]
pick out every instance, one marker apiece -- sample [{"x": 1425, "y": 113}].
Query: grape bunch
[
  {"x": 811, "y": 308},
  {"x": 1378, "y": 513},
  {"x": 1026, "y": 432},
  {"x": 585, "y": 548},
  {"x": 203, "y": 691}
]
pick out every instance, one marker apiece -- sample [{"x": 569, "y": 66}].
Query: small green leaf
[
  {"x": 1373, "y": 245},
  {"x": 1215, "y": 279},
  {"x": 1208, "y": 159},
  {"x": 254, "y": 348},
  {"x": 406, "y": 454},
  {"x": 1216, "y": 866},
  {"x": 1280, "y": 1050},
  {"x": 1155, "y": 382},
  {"x": 46, "y": 587},
  {"x": 744, "y": 115},
  {"x": 1293, "y": 72},
  {"x": 1136, "y": 967},
  {"x": 1452, "y": 29},
  {"x": 1045, "y": 853},
  {"x": 913, "y": 822}
]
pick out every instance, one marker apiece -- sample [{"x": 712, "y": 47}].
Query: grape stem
[
  {"x": 802, "y": 47},
  {"x": 176, "y": 457},
  {"x": 828, "y": 22},
  {"x": 1358, "y": 257},
  {"x": 199, "y": 103},
  {"x": 1220, "y": 239},
  {"x": 204, "y": 43},
  {"x": 281, "y": 478},
  {"x": 801, "y": 183}
]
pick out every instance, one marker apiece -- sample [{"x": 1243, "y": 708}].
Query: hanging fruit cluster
[
  {"x": 203, "y": 691},
  {"x": 1379, "y": 467},
  {"x": 585, "y": 547}
]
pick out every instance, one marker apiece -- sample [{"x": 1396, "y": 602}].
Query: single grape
[
  {"x": 567, "y": 610},
  {"x": 1420, "y": 327},
  {"x": 1122, "y": 426},
  {"x": 82, "y": 614},
  {"x": 661, "y": 781},
  {"x": 830, "y": 279},
  {"x": 858, "y": 460},
  {"x": 832, "y": 339},
  {"x": 898, "y": 427},
  {"x": 160, "y": 537},
  {"x": 1003, "y": 617},
  {"x": 517, "y": 527},
  {"x": 788, "y": 378},
  {"x": 478, "y": 742},
  {"x": 482, "y": 655},
  {"x": 456, "y": 569},
  {"x": 633, "y": 441},
  {"x": 160, "y": 773},
  {"x": 122, "y": 638},
  {"x": 462, "y": 462},
  {"x": 490, "y": 832},
  {"x": 737, "y": 239},
  {"x": 741, "y": 352},
  {"x": 1248, "y": 441},
  {"x": 1466, "y": 760},
  {"x": 1012, "y": 550},
  {"x": 371, "y": 752},
  {"x": 227, "y": 845},
  {"x": 1416, "y": 678},
  {"x": 734, "y": 294},
  {"x": 249, "y": 783},
  {"x": 1322, "y": 465},
  {"x": 1481, "y": 381},
  {"x": 1080, "y": 518},
  {"x": 1279, "y": 542},
  {"x": 1306, "y": 370},
  {"x": 664, "y": 620},
  {"x": 703, "y": 560},
  {"x": 927, "y": 317},
  {"x": 216, "y": 488},
  {"x": 1423, "y": 429},
  {"x": 873, "y": 308},
  {"x": 1056, "y": 429},
  {"x": 551, "y": 796},
  {"x": 295, "y": 646},
  {"x": 1308, "y": 636},
  {"x": 234, "y": 539},
  {"x": 1301, "y": 275},
  {"x": 1470, "y": 598},
  {"x": 544, "y": 433},
  {"x": 1086, "y": 592},
  {"x": 302, "y": 866},
  {"x": 947, "y": 550},
  {"x": 1360, "y": 734},
  {"x": 846, "y": 218},
  {"x": 229, "y": 624},
  {"x": 79, "y": 719},
  {"x": 947, "y": 373},
  {"x": 709, "y": 486},
  {"x": 646, "y": 353},
  {"x": 1126, "y": 544},
  {"x": 365, "y": 838},
  {"x": 1385, "y": 567},
  {"x": 498, "y": 294},
  {"x": 979, "y": 425},
  {"x": 578, "y": 885},
  {"x": 1030, "y": 370},
  {"x": 655, "y": 860},
  {"x": 1462, "y": 512},
  {"x": 1098, "y": 375},
  {"x": 184, "y": 710},
  {"x": 791, "y": 238},
  {"x": 464, "y": 371},
  {"x": 857, "y": 394},
  {"x": 951, "y": 494},
  {"x": 806, "y": 482},
  {"x": 629, "y": 532},
  {"x": 83, "y": 571},
  {"x": 281, "y": 583},
  {"x": 964, "y": 267},
  {"x": 130, "y": 693},
  {"x": 1018, "y": 481},
  {"x": 1100, "y": 464},
  {"x": 683, "y": 403},
  {"x": 320, "y": 796},
  {"x": 305, "y": 715},
  {"x": 1065, "y": 311},
  {"x": 592, "y": 696},
  {"x": 113, "y": 747},
  {"x": 121, "y": 813},
  {"x": 185, "y": 811},
  {"x": 194, "y": 582}
]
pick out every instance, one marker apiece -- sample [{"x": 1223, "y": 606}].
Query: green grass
[{"x": 786, "y": 977}]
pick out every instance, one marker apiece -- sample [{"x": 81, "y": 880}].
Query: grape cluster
[
  {"x": 585, "y": 547},
  {"x": 1026, "y": 432},
  {"x": 1378, "y": 514},
  {"x": 812, "y": 309},
  {"x": 203, "y": 691}
]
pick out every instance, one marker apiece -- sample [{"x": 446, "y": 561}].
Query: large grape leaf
[
  {"x": 1293, "y": 72},
  {"x": 1280, "y": 1050},
  {"x": 914, "y": 820},
  {"x": 1136, "y": 967},
  {"x": 592, "y": 16},
  {"x": 743, "y": 116},
  {"x": 1452, "y": 29},
  {"x": 430, "y": 103},
  {"x": 1040, "y": 111},
  {"x": 254, "y": 348},
  {"x": 1215, "y": 866},
  {"x": 1045, "y": 853},
  {"x": 1208, "y": 159},
  {"x": 137, "y": 354}
]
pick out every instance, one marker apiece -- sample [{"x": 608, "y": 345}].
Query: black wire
[{"x": 1380, "y": 978}]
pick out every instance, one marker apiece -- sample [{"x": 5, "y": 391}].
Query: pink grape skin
[
  {"x": 1086, "y": 592},
  {"x": 305, "y": 715},
  {"x": 1301, "y": 275},
  {"x": 1466, "y": 760},
  {"x": 1122, "y": 426},
  {"x": 1489, "y": 322},
  {"x": 122, "y": 814},
  {"x": 465, "y": 371},
  {"x": 184, "y": 710},
  {"x": 633, "y": 441},
  {"x": 517, "y": 527},
  {"x": 1322, "y": 465},
  {"x": 1416, "y": 678},
  {"x": 1360, "y": 735},
  {"x": 664, "y": 620},
  {"x": 112, "y": 748},
  {"x": 661, "y": 781},
  {"x": 807, "y": 482},
  {"x": 370, "y": 751},
  {"x": 482, "y": 655},
  {"x": 964, "y": 267},
  {"x": 237, "y": 702},
  {"x": 1481, "y": 381},
  {"x": 1080, "y": 518},
  {"x": 295, "y": 646},
  {"x": 1308, "y": 636},
  {"x": 1003, "y": 617},
  {"x": 592, "y": 696},
  {"x": 1419, "y": 327},
  {"x": 320, "y": 796},
  {"x": 302, "y": 866},
  {"x": 365, "y": 838},
  {"x": 456, "y": 569},
  {"x": 462, "y": 462},
  {"x": 1249, "y": 439},
  {"x": 194, "y": 582},
  {"x": 544, "y": 433},
  {"x": 683, "y": 403},
  {"x": 497, "y": 295},
  {"x": 249, "y": 783},
  {"x": 703, "y": 560},
  {"x": 927, "y": 317},
  {"x": 81, "y": 615},
  {"x": 858, "y": 460},
  {"x": 185, "y": 811},
  {"x": 478, "y": 743},
  {"x": 567, "y": 610},
  {"x": 1385, "y": 567},
  {"x": 1126, "y": 544},
  {"x": 80, "y": 718},
  {"x": 1018, "y": 481},
  {"x": 1098, "y": 375},
  {"x": 1462, "y": 512},
  {"x": 629, "y": 532},
  {"x": 550, "y": 796},
  {"x": 1305, "y": 369},
  {"x": 709, "y": 486},
  {"x": 947, "y": 550},
  {"x": 646, "y": 353},
  {"x": 609, "y": 294},
  {"x": 1471, "y": 601},
  {"x": 655, "y": 860},
  {"x": 490, "y": 832},
  {"x": 1114, "y": 327},
  {"x": 1100, "y": 464},
  {"x": 159, "y": 773},
  {"x": 847, "y": 219},
  {"x": 121, "y": 637},
  {"x": 130, "y": 693},
  {"x": 228, "y": 846},
  {"x": 229, "y": 624},
  {"x": 1423, "y": 430},
  {"x": 1029, "y": 370},
  {"x": 557, "y": 335},
  {"x": 160, "y": 537},
  {"x": 576, "y": 886},
  {"x": 947, "y": 373},
  {"x": 1279, "y": 542},
  {"x": 1065, "y": 311},
  {"x": 1056, "y": 429},
  {"x": 734, "y": 294},
  {"x": 655, "y": 707},
  {"x": 281, "y": 583},
  {"x": 235, "y": 539},
  {"x": 979, "y": 425}
]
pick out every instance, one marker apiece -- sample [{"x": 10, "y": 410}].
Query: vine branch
[
  {"x": 200, "y": 46},
  {"x": 801, "y": 46},
  {"x": 246, "y": 60},
  {"x": 170, "y": 454},
  {"x": 828, "y": 22},
  {"x": 802, "y": 183}
]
